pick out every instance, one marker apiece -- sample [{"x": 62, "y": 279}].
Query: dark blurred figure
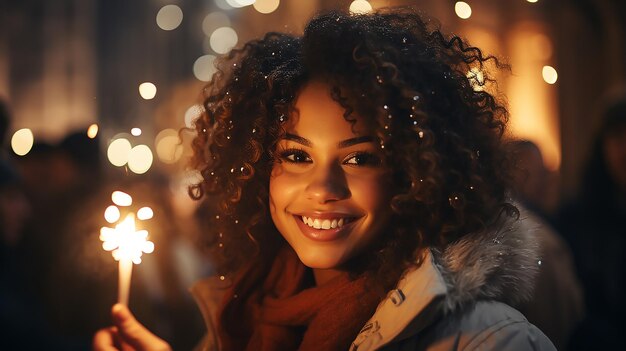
[
  {"x": 595, "y": 225},
  {"x": 23, "y": 325},
  {"x": 557, "y": 303}
]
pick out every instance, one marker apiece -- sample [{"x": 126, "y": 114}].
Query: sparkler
[{"x": 125, "y": 241}]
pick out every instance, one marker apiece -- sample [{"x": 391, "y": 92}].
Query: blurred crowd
[{"x": 57, "y": 284}]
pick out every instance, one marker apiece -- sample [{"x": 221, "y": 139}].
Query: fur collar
[{"x": 496, "y": 264}]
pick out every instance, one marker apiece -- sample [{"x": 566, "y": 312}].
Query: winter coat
[{"x": 457, "y": 299}]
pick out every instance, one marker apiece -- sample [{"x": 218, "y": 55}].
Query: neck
[{"x": 322, "y": 276}]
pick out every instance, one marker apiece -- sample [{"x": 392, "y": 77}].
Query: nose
[{"x": 327, "y": 183}]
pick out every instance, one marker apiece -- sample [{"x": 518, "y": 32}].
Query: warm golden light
[
  {"x": 22, "y": 141},
  {"x": 112, "y": 214},
  {"x": 360, "y": 7},
  {"x": 168, "y": 146},
  {"x": 169, "y": 17},
  {"x": 223, "y": 39},
  {"x": 126, "y": 241},
  {"x": 135, "y": 131},
  {"x": 140, "y": 159},
  {"x": 477, "y": 79},
  {"x": 266, "y": 6},
  {"x": 193, "y": 113},
  {"x": 549, "y": 74},
  {"x": 204, "y": 68},
  {"x": 120, "y": 198},
  {"x": 147, "y": 90},
  {"x": 92, "y": 131},
  {"x": 118, "y": 151},
  {"x": 463, "y": 10},
  {"x": 532, "y": 1},
  {"x": 145, "y": 213}
]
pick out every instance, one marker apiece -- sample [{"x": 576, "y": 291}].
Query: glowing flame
[{"x": 125, "y": 241}]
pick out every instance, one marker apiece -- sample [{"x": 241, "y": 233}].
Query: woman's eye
[
  {"x": 295, "y": 156},
  {"x": 363, "y": 159}
]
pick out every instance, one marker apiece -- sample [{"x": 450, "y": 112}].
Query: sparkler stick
[{"x": 126, "y": 243}]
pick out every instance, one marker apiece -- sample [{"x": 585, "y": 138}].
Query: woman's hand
[{"x": 127, "y": 334}]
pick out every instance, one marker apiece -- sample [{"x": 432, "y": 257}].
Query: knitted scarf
[{"x": 287, "y": 313}]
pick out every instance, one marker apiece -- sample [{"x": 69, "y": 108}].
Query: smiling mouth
[{"x": 325, "y": 223}]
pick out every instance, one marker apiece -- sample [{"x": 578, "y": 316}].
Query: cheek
[
  {"x": 283, "y": 188},
  {"x": 372, "y": 194}
]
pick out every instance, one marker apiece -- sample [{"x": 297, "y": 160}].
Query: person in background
[
  {"x": 556, "y": 306},
  {"x": 595, "y": 227}
]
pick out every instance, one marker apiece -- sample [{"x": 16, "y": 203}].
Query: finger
[
  {"x": 104, "y": 340},
  {"x": 133, "y": 332}
]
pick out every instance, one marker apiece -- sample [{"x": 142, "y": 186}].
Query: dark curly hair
[{"x": 439, "y": 131}]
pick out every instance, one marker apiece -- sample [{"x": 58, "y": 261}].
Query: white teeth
[
  {"x": 317, "y": 224},
  {"x": 326, "y": 224},
  {"x": 323, "y": 223}
]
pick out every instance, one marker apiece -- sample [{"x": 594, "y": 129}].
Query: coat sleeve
[{"x": 511, "y": 336}]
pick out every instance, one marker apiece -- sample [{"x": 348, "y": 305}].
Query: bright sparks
[
  {"x": 112, "y": 214},
  {"x": 120, "y": 198},
  {"x": 145, "y": 213},
  {"x": 125, "y": 241}
]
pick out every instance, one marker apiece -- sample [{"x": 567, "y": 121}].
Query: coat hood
[{"x": 499, "y": 263}]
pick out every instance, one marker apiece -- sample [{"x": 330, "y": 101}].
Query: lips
[{"x": 324, "y": 226}]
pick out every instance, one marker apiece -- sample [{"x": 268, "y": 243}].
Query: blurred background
[{"x": 94, "y": 94}]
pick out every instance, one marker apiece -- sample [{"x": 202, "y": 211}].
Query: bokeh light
[
  {"x": 532, "y": 1},
  {"x": 168, "y": 146},
  {"x": 204, "y": 67},
  {"x": 223, "y": 39},
  {"x": 222, "y": 4},
  {"x": 266, "y": 6},
  {"x": 549, "y": 74},
  {"x": 239, "y": 3},
  {"x": 147, "y": 90},
  {"x": 169, "y": 17},
  {"x": 22, "y": 141},
  {"x": 360, "y": 7},
  {"x": 145, "y": 213},
  {"x": 118, "y": 151},
  {"x": 120, "y": 198},
  {"x": 192, "y": 114},
  {"x": 135, "y": 131},
  {"x": 463, "y": 9},
  {"x": 92, "y": 131},
  {"x": 112, "y": 214},
  {"x": 140, "y": 159},
  {"x": 213, "y": 21}
]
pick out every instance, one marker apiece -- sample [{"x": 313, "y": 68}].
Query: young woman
[{"x": 360, "y": 188}]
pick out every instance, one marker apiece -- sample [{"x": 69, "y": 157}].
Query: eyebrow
[{"x": 342, "y": 144}]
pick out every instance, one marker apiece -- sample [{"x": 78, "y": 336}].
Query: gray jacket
[{"x": 458, "y": 299}]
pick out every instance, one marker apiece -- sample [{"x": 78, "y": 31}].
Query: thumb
[{"x": 133, "y": 332}]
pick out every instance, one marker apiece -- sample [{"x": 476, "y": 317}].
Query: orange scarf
[{"x": 287, "y": 315}]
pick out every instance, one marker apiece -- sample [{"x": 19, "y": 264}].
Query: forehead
[{"x": 317, "y": 112}]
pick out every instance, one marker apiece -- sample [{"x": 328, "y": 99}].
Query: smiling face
[{"x": 329, "y": 194}]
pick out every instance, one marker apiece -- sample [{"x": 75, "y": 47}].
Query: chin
[{"x": 320, "y": 260}]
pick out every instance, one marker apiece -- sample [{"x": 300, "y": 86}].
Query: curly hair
[{"x": 439, "y": 133}]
